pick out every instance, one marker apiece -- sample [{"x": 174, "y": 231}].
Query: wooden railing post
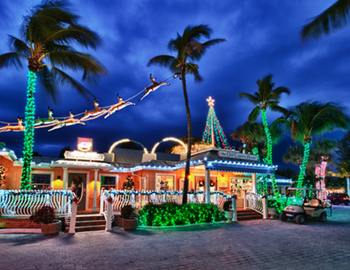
[
  {"x": 245, "y": 203},
  {"x": 73, "y": 218},
  {"x": 264, "y": 201}
]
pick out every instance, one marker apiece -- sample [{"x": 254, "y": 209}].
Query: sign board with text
[{"x": 231, "y": 154}]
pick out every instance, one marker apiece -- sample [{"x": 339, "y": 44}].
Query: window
[
  {"x": 165, "y": 182},
  {"x": 41, "y": 181},
  {"x": 108, "y": 182}
]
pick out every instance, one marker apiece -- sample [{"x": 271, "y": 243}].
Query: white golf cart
[{"x": 311, "y": 208}]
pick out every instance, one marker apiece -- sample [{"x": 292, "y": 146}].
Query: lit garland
[
  {"x": 303, "y": 166},
  {"x": 268, "y": 138},
  {"x": 36, "y": 192},
  {"x": 2, "y": 177},
  {"x": 172, "y": 214},
  {"x": 255, "y": 151},
  {"x": 29, "y": 132},
  {"x": 269, "y": 154},
  {"x": 213, "y": 129},
  {"x": 265, "y": 185},
  {"x": 160, "y": 192}
]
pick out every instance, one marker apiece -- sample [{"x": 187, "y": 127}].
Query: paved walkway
[{"x": 260, "y": 244}]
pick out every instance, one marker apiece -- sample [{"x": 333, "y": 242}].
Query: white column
[
  {"x": 73, "y": 218},
  {"x": 94, "y": 207},
  {"x": 264, "y": 201},
  {"x": 254, "y": 186},
  {"x": 347, "y": 184},
  {"x": 207, "y": 186},
  {"x": 234, "y": 208},
  {"x": 109, "y": 217},
  {"x": 65, "y": 178}
]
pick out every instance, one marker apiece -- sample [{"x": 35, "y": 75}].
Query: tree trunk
[
  {"x": 303, "y": 165},
  {"x": 189, "y": 131},
  {"x": 269, "y": 155},
  {"x": 29, "y": 132}
]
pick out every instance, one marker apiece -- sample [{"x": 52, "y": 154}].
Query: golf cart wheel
[
  {"x": 300, "y": 219},
  {"x": 283, "y": 217},
  {"x": 346, "y": 203},
  {"x": 323, "y": 217}
]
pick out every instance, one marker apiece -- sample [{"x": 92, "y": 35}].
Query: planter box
[
  {"x": 51, "y": 228},
  {"x": 129, "y": 224}
]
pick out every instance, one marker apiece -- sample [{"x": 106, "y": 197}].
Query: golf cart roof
[{"x": 312, "y": 189}]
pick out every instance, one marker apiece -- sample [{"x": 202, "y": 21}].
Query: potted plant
[
  {"x": 129, "y": 222},
  {"x": 272, "y": 207},
  {"x": 228, "y": 211},
  {"x": 46, "y": 216}
]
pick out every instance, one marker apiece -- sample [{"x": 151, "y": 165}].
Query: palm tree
[
  {"x": 313, "y": 118},
  {"x": 343, "y": 152},
  {"x": 266, "y": 98},
  {"x": 323, "y": 149},
  {"x": 333, "y": 18},
  {"x": 294, "y": 155},
  {"x": 187, "y": 49},
  {"x": 250, "y": 134},
  {"x": 46, "y": 33}
]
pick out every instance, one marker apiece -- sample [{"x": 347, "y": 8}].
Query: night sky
[{"x": 263, "y": 37}]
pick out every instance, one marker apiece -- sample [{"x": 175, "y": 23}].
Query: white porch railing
[
  {"x": 256, "y": 202},
  {"x": 138, "y": 199},
  {"x": 23, "y": 203}
]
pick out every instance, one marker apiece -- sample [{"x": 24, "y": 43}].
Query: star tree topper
[{"x": 210, "y": 102}]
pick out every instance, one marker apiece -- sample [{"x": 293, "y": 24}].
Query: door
[{"x": 79, "y": 180}]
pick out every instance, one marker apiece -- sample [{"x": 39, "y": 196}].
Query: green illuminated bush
[{"x": 170, "y": 214}]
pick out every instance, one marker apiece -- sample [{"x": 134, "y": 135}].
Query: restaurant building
[{"x": 228, "y": 171}]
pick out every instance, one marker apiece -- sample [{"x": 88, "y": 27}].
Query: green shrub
[{"x": 170, "y": 214}]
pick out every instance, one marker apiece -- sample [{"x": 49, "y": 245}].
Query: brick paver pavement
[{"x": 259, "y": 244}]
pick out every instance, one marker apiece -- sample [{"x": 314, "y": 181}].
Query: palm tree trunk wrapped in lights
[
  {"x": 188, "y": 49},
  {"x": 267, "y": 97},
  {"x": 313, "y": 118},
  {"x": 29, "y": 132},
  {"x": 47, "y": 31}
]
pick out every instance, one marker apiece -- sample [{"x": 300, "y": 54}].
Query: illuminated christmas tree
[{"x": 213, "y": 135}]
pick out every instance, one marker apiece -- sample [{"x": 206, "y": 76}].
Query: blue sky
[{"x": 263, "y": 37}]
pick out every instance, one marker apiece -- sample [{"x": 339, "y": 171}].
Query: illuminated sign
[
  {"x": 84, "y": 155},
  {"x": 85, "y": 144},
  {"x": 230, "y": 154}
]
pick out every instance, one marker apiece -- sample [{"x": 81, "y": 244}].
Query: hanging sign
[
  {"x": 78, "y": 155},
  {"x": 230, "y": 154},
  {"x": 85, "y": 144}
]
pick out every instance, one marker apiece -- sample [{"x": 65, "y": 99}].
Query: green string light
[
  {"x": 29, "y": 132},
  {"x": 303, "y": 166}
]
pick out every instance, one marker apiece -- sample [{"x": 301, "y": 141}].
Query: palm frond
[
  {"x": 11, "y": 59},
  {"x": 276, "y": 108},
  {"x": 193, "y": 69},
  {"x": 48, "y": 81},
  {"x": 163, "y": 60},
  {"x": 251, "y": 98},
  {"x": 254, "y": 114},
  {"x": 76, "y": 61},
  {"x": 333, "y": 18},
  {"x": 77, "y": 33},
  {"x": 18, "y": 45},
  {"x": 62, "y": 78}
]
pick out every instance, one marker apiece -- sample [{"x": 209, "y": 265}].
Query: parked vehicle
[
  {"x": 337, "y": 198},
  {"x": 311, "y": 208}
]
